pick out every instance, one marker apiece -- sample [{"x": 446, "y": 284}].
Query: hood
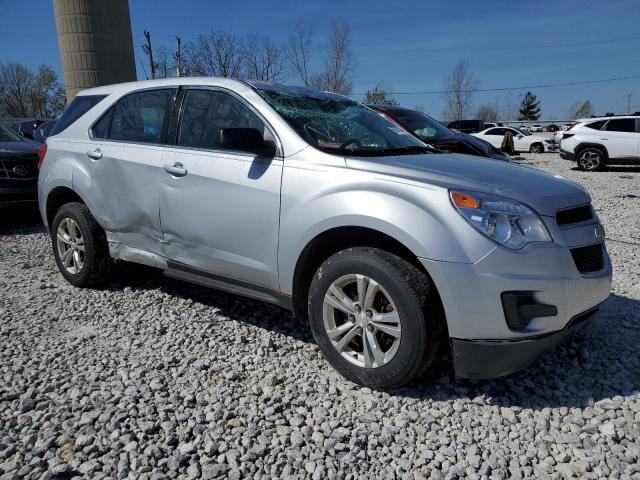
[
  {"x": 541, "y": 191},
  {"x": 13, "y": 149}
]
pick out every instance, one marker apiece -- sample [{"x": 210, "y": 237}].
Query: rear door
[
  {"x": 494, "y": 136},
  {"x": 220, "y": 209},
  {"x": 621, "y": 138},
  {"x": 125, "y": 156}
]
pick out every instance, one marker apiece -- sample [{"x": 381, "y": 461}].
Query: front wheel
[
  {"x": 590, "y": 159},
  {"x": 536, "y": 148},
  {"x": 80, "y": 246},
  {"x": 376, "y": 317}
]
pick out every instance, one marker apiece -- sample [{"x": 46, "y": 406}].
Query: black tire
[
  {"x": 417, "y": 304},
  {"x": 590, "y": 159},
  {"x": 536, "y": 148},
  {"x": 97, "y": 263}
]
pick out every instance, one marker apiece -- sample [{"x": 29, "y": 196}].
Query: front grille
[
  {"x": 588, "y": 259},
  {"x": 574, "y": 215}
]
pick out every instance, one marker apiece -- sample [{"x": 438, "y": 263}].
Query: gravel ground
[{"x": 152, "y": 378}]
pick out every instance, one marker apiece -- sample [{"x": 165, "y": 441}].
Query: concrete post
[{"x": 95, "y": 42}]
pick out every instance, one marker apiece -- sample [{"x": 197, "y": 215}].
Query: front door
[
  {"x": 621, "y": 139},
  {"x": 219, "y": 209}
]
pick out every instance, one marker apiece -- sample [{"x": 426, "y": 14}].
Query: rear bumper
[
  {"x": 567, "y": 155},
  {"x": 482, "y": 359}
]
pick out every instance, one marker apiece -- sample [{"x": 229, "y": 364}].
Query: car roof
[{"x": 595, "y": 119}]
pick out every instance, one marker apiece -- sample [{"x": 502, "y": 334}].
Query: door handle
[
  {"x": 94, "y": 154},
  {"x": 604, "y": 138},
  {"x": 176, "y": 170}
]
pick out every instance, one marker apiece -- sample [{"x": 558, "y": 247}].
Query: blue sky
[{"x": 407, "y": 45}]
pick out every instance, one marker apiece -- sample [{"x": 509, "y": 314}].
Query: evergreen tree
[
  {"x": 529, "y": 108},
  {"x": 379, "y": 96}
]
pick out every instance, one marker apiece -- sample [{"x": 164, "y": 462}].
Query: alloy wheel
[
  {"x": 70, "y": 245},
  {"x": 589, "y": 159},
  {"x": 361, "y": 321}
]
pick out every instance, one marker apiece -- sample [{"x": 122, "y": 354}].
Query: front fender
[{"x": 421, "y": 217}]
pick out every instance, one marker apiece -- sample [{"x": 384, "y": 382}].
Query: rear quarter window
[{"x": 76, "y": 109}]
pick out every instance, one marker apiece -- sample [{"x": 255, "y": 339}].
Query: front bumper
[
  {"x": 483, "y": 343},
  {"x": 565, "y": 155},
  {"x": 26, "y": 193},
  {"x": 482, "y": 359}
]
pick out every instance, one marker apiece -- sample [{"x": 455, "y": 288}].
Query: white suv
[{"x": 596, "y": 142}]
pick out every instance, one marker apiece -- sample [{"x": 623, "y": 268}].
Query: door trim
[{"x": 180, "y": 271}]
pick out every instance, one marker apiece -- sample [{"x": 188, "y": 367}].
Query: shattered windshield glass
[{"x": 338, "y": 125}]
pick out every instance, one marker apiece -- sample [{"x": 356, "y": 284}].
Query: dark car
[
  {"x": 18, "y": 168},
  {"x": 430, "y": 131},
  {"x": 26, "y": 128},
  {"x": 42, "y": 132},
  {"x": 467, "y": 126}
]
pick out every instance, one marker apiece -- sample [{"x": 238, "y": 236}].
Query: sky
[{"x": 407, "y": 46}]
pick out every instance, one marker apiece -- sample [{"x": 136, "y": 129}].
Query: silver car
[{"x": 392, "y": 251}]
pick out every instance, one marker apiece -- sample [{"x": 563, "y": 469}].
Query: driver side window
[{"x": 206, "y": 112}]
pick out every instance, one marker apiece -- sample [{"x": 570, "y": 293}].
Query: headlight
[{"x": 505, "y": 221}]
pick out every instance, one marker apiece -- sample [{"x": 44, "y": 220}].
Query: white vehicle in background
[
  {"x": 490, "y": 124},
  {"x": 594, "y": 143},
  {"x": 522, "y": 141},
  {"x": 536, "y": 128}
]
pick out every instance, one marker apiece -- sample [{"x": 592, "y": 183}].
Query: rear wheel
[
  {"x": 590, "y": 159},
  {"x": 80, "y": 246},
  {"x": 375, "y": 316},
  {"x": 536, "y": 148}
]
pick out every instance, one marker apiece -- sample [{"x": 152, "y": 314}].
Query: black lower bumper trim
[
  {"x": 482, "y": 359},
  {"x": 567, "y": 155}
]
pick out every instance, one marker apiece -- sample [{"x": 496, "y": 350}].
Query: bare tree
[
  {"x": 164, "y": 62},
  {"x": 509, "y": 106},
  {"x": 340, "y": 60},
  {"x": 25, "y": 94},
  {"x": 487, "y": 113},
  {"x": 263, "y": 59},
  {"x": 219, "y": 54},
  {"x": 458, "y": 91},
  {"x": 298, "y": 51}
]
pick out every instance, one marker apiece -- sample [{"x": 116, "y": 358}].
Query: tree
[
  {"x": 297, "y": 51},
  {"x": 580, "y": 110},
  {"x": 340, "y": 59},
  {"x": 219, "y": 54},
  {"x": 529, "y": 107},
  {"x": 458, "y": 91},
  {"x": 263, "y": 59},
  {"x": 509, "y": 106},
  {"x": 378, "y": 95},
  {"x": 164, "y": 67},
  {"x": 487, "y": 113},
  {"x": 25, "y": 94}
]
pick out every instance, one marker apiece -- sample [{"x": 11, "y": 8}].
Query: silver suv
[{"x": 392, "y": 251}]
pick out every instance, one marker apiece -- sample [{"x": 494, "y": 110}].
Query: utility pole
[
  {"x": 628, "y": 95},
  {"x": 147, "y": 50},
  {"x": 178, "y": 41}
]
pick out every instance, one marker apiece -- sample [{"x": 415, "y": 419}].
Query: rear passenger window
[
  {"x": 138, "y": 117},
  {"x": 77, "y": 108},
  {"x": 621, "y": 125},
  {"x": 595, "y": 125},
  {"x": 207, "y": 112}
]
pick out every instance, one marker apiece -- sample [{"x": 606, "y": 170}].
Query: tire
[
  {"x": 536, "y": 148},
  {"x": 590, "y": 159},
  {"x": 75, "y": 230},
  {"x": 399, "y": 291}
]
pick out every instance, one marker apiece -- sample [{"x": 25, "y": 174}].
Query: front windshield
[
  {"x": 8, "y": 135},
  {"x": 339, "y": 125},
  {"x": 526, "y": 133},
  {"x": 423, "y": 126}
]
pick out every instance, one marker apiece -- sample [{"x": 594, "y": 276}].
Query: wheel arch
[
  {"x": 331, "y": 241},
  {"x": 582, "y": 145},
  {"x": 57, "y": 197}
]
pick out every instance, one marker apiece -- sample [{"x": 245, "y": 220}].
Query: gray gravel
[{"x": 150, "y": 378}]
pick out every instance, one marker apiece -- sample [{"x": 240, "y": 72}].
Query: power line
[{"x": 502, "y": 89}]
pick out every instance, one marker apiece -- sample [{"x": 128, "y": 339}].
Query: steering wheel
[{"x": 351, "y": 141}]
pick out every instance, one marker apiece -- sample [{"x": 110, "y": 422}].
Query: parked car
[
  {"x": 594, "y": 143},
  {"x": 26, "y": 128},
  {"x": 42, "y": 132},
  {"x": 553, "y": 128},
  {"x": 430, "y": 131},
  {"x": 490, "y": 124},
  {"x": 467, "y": 126},
  {"x": 18, "y": 169},
  {"x": 522, "y": 141},
  {"x": 314, "y": 202},
  {"x": 536, "y": 127}
]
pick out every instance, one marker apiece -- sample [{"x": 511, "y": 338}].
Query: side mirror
[
  {"x": 249, "y": 140},
  {"x": 520, "y": 135}
]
